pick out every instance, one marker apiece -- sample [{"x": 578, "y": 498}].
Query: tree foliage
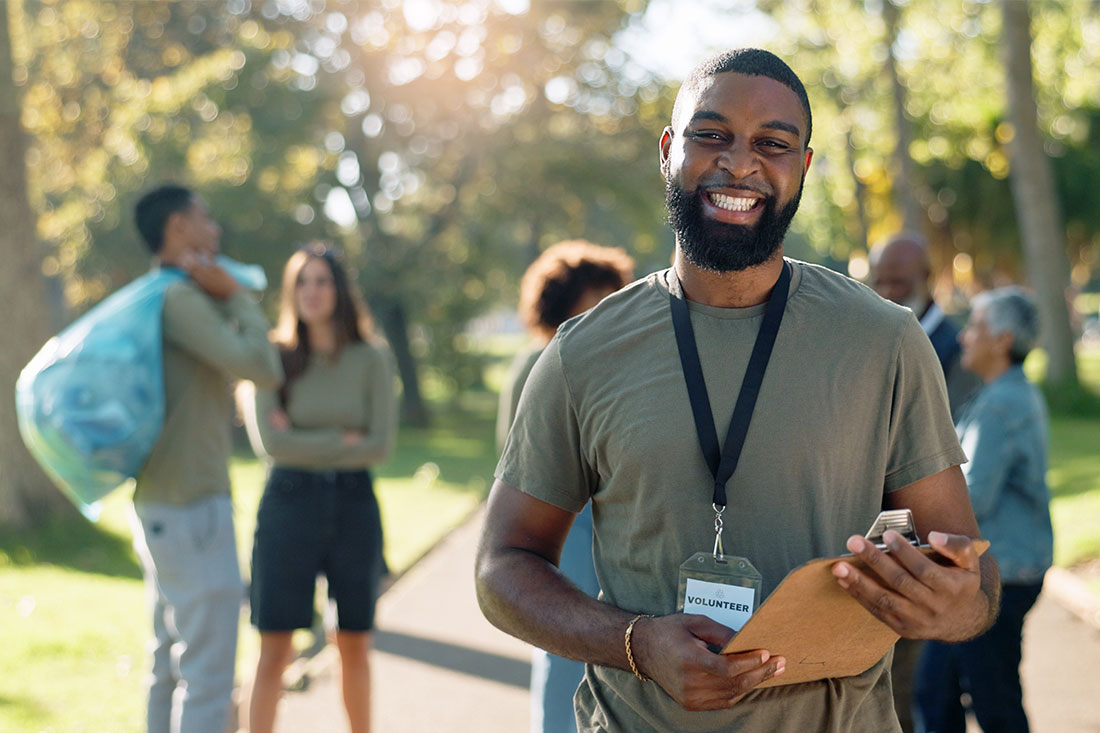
[
  {"x": 950, "y": 66},
  {"x": 444, "y": 143}
]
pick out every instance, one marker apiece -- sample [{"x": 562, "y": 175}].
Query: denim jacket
[{"x": 1004, "y": 433}]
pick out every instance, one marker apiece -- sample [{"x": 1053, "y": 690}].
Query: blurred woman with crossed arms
[{"x": 332, "y": 420}]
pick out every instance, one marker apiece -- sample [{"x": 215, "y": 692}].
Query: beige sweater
[
  {"x": 352, "y": 392},
  {"x": 207, "y": 342}
]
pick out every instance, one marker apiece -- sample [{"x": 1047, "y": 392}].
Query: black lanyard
[{"x": 722, "y": 465}]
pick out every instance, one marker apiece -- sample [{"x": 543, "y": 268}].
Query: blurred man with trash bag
[{"x": 183, "y": 515}]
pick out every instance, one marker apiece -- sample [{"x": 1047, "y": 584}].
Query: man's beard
[{"x": 721, "y": 247}]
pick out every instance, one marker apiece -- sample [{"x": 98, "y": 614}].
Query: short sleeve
[
  {"x": 542, "y": 456},
  {"x": 922, "y": 439}
]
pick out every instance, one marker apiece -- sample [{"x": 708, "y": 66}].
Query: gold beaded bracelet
[{"x": 629, "y": 653}]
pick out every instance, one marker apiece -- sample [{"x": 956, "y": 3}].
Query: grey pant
[{"x": 193, "y": 581}]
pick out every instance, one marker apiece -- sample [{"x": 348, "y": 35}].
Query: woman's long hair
[{"x": 351, "y": 318}]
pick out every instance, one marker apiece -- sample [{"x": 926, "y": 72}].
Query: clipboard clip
[{"x": 899, "y": 520}]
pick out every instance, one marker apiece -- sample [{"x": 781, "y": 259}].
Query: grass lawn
[
  {"x": 73, "y": 619},
  {"x": 1074, "y": 479},
  {"x": 1074, "y": 470}
]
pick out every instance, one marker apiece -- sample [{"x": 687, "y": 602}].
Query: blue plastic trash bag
[{"x": 90, "y": 403}]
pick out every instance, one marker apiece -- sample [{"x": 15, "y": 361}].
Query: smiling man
[{"x": 835, "y": 407}]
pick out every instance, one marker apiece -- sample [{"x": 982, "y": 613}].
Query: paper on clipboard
[{"x": 821, "y": 630}]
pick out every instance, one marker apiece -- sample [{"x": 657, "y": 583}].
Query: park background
[{"x": 443, "y": 144}]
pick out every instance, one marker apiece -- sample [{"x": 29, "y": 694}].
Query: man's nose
[{"x": 739, "y": 160}]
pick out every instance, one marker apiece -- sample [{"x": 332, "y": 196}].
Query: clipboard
[{"x": 821, "y": 630}]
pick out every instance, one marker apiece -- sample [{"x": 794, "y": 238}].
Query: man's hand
[
  {"x": 914, "y": 595},
  {"x": 213, "y": 280},
  {"x": 672, "y": 650}
]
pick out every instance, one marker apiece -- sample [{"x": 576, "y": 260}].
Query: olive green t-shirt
[
  {"x": 353, "y": 391},
  {"x": 207, "y": 342},
  {"x": 852, "y": 406},
  {"x": 517, "y": 375}
]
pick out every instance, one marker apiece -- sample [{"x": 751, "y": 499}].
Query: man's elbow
[
  {"x": 490, "y": 584},
  {"x": 487, "y": 600}
]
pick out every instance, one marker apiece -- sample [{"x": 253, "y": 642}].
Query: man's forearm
[
  {"x": 990, "y": 592},
  {"x": 991, "y": 588},
  {"x": 524, "y": 595}
]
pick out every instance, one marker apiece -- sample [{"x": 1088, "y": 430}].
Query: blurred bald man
[{"x": 901, "y": 272}]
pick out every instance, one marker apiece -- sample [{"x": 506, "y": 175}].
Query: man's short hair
[
  {"x": 1010, "y": 310},
  {"x": 751, "y": 62},
  {"x": 153, "y": 209}
]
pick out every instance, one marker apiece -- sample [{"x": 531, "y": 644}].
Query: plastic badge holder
[
  {"x": 90, "y": 404},
  {"x": 723, "y": 588}
]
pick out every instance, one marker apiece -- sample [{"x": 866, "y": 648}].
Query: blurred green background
[{"x": 445, "y": 143}]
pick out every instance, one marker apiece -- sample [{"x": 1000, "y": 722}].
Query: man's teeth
[{"x": 731, "y": 203}]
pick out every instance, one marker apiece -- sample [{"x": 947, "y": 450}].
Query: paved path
[
  {"x": 1061, "y": 670},
  {"x": 440, "y": 667}
]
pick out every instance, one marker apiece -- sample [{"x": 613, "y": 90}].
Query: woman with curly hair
[{"x": 565, "y": 281}]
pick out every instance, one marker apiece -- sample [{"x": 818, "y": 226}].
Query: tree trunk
[
  {"x": 26, "y": 495},
  {"x": 385, "y": 301},
  {"x": 905, "y": 182},
  {"x": 391, "y": 316},
  {"x": 1037, "y": 210},
  {"x": 860, "y": 195}
]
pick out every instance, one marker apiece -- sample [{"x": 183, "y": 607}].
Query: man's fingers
[
  {"x": 956, "y": 548},
  {"x": 702, "y": 680},
  {"x": 710, "y": 631},
  {"x": 883, "y": 605},
  {"x": 885, "y": 597},
  {"x": 744, "y": 662},
  {"x": 924, "y": 569},
  {"x": 892, "y": 573},
  {"x": 754, "y": 667},
  {"x": 904, "y": 588},
  {"x": 745, "y": 671}
]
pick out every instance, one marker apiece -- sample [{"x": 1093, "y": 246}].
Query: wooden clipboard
[{"x": 821, "y": 630}]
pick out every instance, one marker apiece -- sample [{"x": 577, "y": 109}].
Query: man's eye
[{"x": 705, "y": 136}]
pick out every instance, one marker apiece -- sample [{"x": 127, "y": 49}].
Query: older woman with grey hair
[{"x": 1004, "y": 433}]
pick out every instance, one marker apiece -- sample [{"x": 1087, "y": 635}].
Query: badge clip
[{"x": 719, "y": 553}]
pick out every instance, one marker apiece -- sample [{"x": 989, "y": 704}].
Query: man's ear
[
  {"x": 809, "y": 157},
  {"x": 174, "y": 227},
  {"x": 664, "y": 150},
  {"x": 174, "y": 222}
]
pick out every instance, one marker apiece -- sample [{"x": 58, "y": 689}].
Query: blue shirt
[{"x": 1004, "y": 433}]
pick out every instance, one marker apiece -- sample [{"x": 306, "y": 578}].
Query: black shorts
[{"x": 311, "y": 523}]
